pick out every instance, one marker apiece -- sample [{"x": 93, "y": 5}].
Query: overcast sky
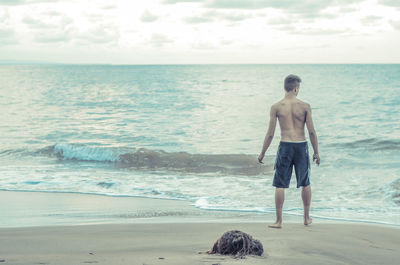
[{"x": 200, "y": 31}]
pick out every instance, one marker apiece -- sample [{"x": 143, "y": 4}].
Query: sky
[{"x": 200, "y": 31}]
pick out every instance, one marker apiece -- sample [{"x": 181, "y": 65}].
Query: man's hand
[
  {"x": 316, "y": 159},
  {"x": 260, "y": 158}
]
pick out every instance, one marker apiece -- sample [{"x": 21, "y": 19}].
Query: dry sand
[{"x": 180, "y": 243}]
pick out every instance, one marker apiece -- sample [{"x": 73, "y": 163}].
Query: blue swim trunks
[{"x": 292, "y": 154}]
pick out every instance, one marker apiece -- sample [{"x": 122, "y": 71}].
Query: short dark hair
[{"x": 291, "y": 82}]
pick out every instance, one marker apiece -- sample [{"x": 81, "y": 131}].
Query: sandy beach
[
  {"x": 177, "y": 237},
  {"x": 180, "y": 243}
]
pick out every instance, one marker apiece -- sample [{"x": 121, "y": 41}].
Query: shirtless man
[{"x": 292, "y": 114}]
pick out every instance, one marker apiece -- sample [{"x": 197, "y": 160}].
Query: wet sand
[{"x": 180, "y": 243}]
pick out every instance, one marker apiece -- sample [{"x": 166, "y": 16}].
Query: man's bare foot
[
  {"x": 307, "y": 221},
  {"x": 275, "y": 225}
]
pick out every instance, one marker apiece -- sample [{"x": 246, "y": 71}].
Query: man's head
[{"x": 292, "y": 83}]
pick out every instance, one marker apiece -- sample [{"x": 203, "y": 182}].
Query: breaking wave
[{"x": 147, "y": 159}]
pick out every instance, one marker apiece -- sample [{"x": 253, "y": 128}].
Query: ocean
[{"x": 194, "y": 132}]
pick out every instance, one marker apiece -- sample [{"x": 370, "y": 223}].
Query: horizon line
[{"x": 29, "y": 62}]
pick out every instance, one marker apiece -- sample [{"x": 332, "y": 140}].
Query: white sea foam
[{"x": 85, "y": 153}]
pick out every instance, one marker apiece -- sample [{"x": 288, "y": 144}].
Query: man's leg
[
  {"x": 306, "y": 196},
  {"x": 279, "y": 199}
]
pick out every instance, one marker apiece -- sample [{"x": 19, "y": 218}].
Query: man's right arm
[
  {"x": 270, "y": 133},
  {"x": 312, "y": 133}
]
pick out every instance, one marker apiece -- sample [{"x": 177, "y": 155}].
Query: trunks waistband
[{"x": 295, "y": 142}]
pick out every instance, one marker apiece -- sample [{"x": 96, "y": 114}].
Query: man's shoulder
[
  {"x": 276, "y": 105},
  {"x": 304, "y": 104},
  {"x": 279, "y": 103}
]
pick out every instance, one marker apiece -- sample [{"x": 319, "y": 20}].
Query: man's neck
[{"x": 290, "y": 95}]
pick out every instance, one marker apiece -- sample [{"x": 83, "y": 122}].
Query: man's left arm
[{"x": 270, "y": 133}]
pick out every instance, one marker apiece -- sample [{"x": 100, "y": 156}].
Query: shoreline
[
  {"x": 60, "y": 208},
  {"x": 66, "y": 228},
  {"x": 74, "y": 208}
]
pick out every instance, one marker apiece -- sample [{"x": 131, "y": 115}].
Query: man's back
[{"x": 292, "y": 114}]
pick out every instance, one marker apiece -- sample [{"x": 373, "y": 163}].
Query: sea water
[{"x": 194, "y": 132}]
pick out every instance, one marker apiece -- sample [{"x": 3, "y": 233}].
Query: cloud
[
  {"x": 108, "y": 7},
  {"x": 7, "y": 36},
  {"x": 347, "y": 9},
  {"x": 198, "y": 19},
  {"x": 7, "y": 32},
  {"x": 278, "y": 4},
  {"x": 158, "y": 40},
  {"x": 305, "y": 47},
  {"x": 99, "y": 34},
  {"x": 317, "y": 31},
  {"x": 202, "y": 45},
  {"x": 249, "y": 4},
  {"x": 179, "y": 1},
  {"x": 226, "y": 42},
  {"x": 52, "y": 37},
  {"x": 307, "y": 7},
  {"x": 213, "y": 15},
  {"x": 97, "y": 27},
  {"x": 293, "y": 30},
  {"x": 148, "y": 17},
  {"x": 36, "y": 23},
  {"x": 281, "y": 21},
  {"x": 53, "y": 27},
  {"x": 395, "y": 3},
  {"x": 96, "y": 17},
  {"x": 51, "y": 13},
  {"x": 4, "y": 15},
  {"x": 370, "y": 20},
  {"x": 234, "y": 16},
  {"x": 50, "y": 20},
  {"x": 24, "y": 2},
  {"x": 395, "y": 24}
]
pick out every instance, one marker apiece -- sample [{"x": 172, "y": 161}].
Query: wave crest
[
  {"x": 85, "y": 153},
  {"x": 146, "y": 159}
]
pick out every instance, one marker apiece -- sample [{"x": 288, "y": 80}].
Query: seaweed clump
[{"x": 237, "y": 244}]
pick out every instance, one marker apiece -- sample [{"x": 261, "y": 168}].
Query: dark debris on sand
[{"x": 237, "y": 244}]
